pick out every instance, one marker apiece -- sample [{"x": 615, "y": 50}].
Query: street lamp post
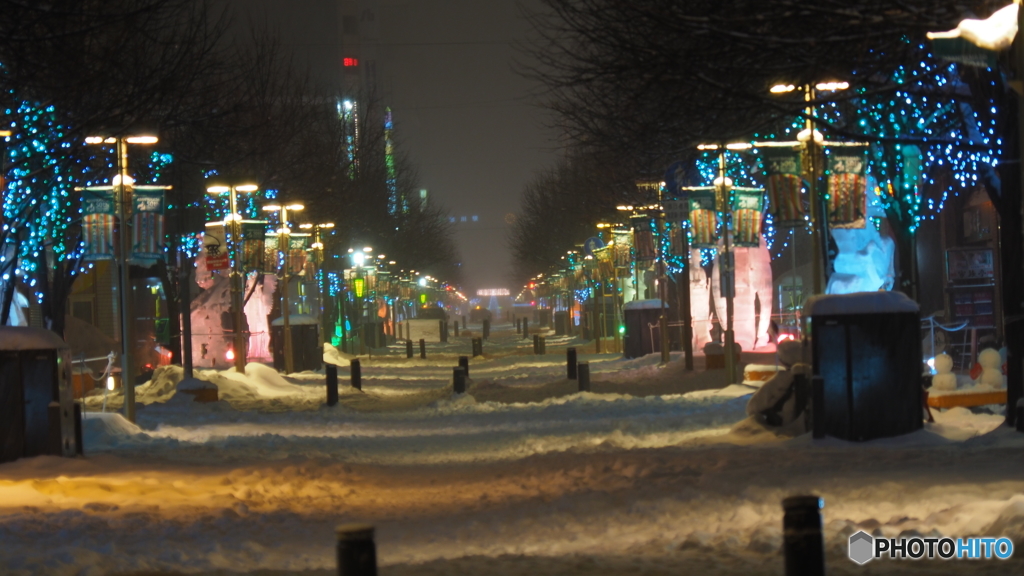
[
  {"x": 283, "y": 239},
  {"x": 122, "y": 202},
  {"x": 235, "y": 225},
  {"x": 318, "y": 259},
  {"x": 812, "y": 139}
]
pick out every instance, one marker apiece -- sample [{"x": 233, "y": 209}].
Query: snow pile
[
  {"x": 104, "y": 431},
  {"x": 334, "y": 356}
]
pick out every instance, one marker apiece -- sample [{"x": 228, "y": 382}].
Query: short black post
[
  {"x": 459, "y": 380},
  {"x": 332, "y": 384},
  {"x": 536, "y": 343},
  {"x": 540, "y": 346},
  {"x": 478, "y": 347},
  {"x": 443, "y": 327},
  {"x": 1019, "y": 421},
  {"x": 487, "y": 329},
  {"x": 817, "y": 407},
  {"x": 456, "y": 325},
  {"x": 519, "y": 326},
  {"x": 801, "y": 533},
  {"x": 570, "y": 363},
  {"x": 423, "y": 348},
  {"x": 464, "y": 364},
  {"x": 79, "y": 448},
  {"x": 526, "y": 328},
  {"x": 463, "y": 322},
  {"x": 583, "y": 376},
  {"x": 357, "y": 555},
  {"x": 408, "y": 348},
  {"x": 357, "y": 375}
]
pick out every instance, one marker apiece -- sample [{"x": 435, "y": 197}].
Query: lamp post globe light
[
  {"x": 122, "y": 185},
  {"x": 234, "y": 222},
  {"x": 283, "y": 240}
]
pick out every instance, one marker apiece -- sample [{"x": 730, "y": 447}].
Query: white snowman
[
  {"x": 991, "y": 369},
  {"x": 944, "y": 379}
]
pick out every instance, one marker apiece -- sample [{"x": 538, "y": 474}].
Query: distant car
[
  {"x": 431, "y": 313},
  {"x": 479, "y": 314}
]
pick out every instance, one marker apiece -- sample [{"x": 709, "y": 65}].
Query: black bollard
[
  {"x": 583, "y": 376},
  {"x": 332, "y": 384},
  {"x": 570, "y": 363},
  {"x": 357, "y": 555},
  {"x": 801, "y": 533},
  {"x": 423, "y": 348},
  {"x": 79, "y": 447},
  {"x": 357, "y": 375},
  {"x": 456, "y": 325},
  {"x": 1019, "y": 421},
  {"x": 459, "y": 380},
  {"x": 408, "y": 348},
  {"x": 487, "y": 329},
  {"x": 536, "y": 343},
  {"x": 519, "y": 326},
  {"x": 526, "y": 328},
  {"x": 478, "y": 347},
  {"x": 443, "y": 328},
  {"x": 464, "y": 364},
  {"x": 817, "y": 407},
  {"x": 541, "y": 349}
]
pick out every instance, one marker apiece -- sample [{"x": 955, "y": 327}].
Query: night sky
[{"x": 461, "y": 113}]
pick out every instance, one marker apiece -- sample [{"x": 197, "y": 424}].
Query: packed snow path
[{"x": 521, "y": 476}]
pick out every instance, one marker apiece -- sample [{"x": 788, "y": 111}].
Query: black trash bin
[
  {"x": 638, "y": 315},
  {"x": 307, "y": 353},
  {"x": 866, "y": 347},
  {"x": 36, "y": 402}
]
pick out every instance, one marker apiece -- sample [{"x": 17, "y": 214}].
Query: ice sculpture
[
  {"x": 864, "y": 262},
  {"x": 753, "y": 284},
  {"x": 256, "y": 312}
]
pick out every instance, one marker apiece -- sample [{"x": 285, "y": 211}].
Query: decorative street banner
[
  {"x": 785, "y": 186},
  {"x": 254, "y": 239},
  {"x": 623, "y": 245},
  {"x": 605, "y": 265},
  {"x": 644, "y": 238},
  {"x": 747, "y": 212},
  {"x": 271, "y": 257},
  {"x": 148, "y": 225},
  {"x": 215, "y": 247},
  {"x": 98, "y": 211},
  {"x": 297, "y": 246},
  {"x": 847, "y": 188},
  {"x": 703, "y": 219}
]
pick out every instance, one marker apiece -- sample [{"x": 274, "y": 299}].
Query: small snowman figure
[
  {"x": 944, "y": 379},
  {"x": 991, "y": 369}
]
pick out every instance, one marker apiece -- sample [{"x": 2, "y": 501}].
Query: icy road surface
[{"x": 647, "y": 475}]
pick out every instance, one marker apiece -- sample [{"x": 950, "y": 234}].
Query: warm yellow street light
[
  {"x": 283, "y": 240},
  {"x": 234, "y": 221}
]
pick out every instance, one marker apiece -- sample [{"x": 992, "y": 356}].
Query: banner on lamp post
[
  {"x": 703, "y": 219},
  {"x": 98, "y": 217},
  {"x": 298, "y": 244},
  {"x": 747, "y": 213},
  {"x": 847, "y": 189},
  {"x": 785, "y": 187},
  {"x": 215, "y": 247},
  {"x": 254, "y": 246},
  {"x": 148, "y": 224}
]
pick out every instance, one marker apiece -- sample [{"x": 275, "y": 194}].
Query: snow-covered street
[{"x": 648, "y": 474}]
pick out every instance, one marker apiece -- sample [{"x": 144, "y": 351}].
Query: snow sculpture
[
  {"x": 753, "y": 283},
  {"x": 700, "y": 302},
  {"x": 19, "y": 306},
  {"x": 991, "y": 371},
  {"x": 865, "y": 259},
  {"x": 944, "y": 379}
]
